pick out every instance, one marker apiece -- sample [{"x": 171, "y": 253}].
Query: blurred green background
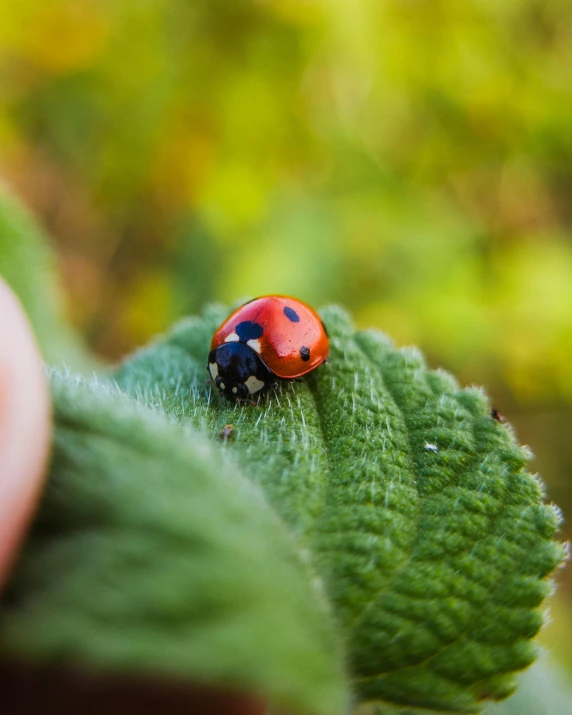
[{"x": 410, "y": 159}]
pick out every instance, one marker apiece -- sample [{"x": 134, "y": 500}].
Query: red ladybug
[{"x": 271, "y": 337}]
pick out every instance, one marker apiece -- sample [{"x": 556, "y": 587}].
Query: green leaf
[
  {"x": 413, "y": 502},
  {"x": 27, "y": 265},
  {"x": 152, "y": 554},
  {"x": 542, "y": 690}
]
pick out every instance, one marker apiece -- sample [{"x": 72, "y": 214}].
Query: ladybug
[{"x": 271, "y": 337}]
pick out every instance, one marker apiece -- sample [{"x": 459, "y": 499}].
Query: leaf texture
[
  {"x": 412, "y": 501},
  {"x": 152, "y": 555}
]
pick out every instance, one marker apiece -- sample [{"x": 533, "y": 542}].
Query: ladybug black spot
[
  {"x": 305, "y": 353},
  {"x": 247, "y": 330},
  {"x": 291, "y": 314}
]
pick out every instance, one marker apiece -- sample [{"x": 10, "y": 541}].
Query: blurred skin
[{"x": 24, "y": 426}]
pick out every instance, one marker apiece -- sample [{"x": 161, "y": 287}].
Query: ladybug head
[{"x": 238, "y": 371}]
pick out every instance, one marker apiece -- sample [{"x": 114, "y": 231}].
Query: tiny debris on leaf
[{"x": 226, "y": 433}]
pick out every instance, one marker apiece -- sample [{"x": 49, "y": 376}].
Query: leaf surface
[
  {"x": 152, "y": 555},
  {"x": 413, "y": 502}
]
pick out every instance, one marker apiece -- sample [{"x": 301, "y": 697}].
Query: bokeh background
[{"x": 409, "y": 159}]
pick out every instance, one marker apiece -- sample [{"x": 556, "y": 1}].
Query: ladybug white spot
[
  {"x": 255, "y": 345},
  {"x": 235, "y": 390},
  {"x": 222, "y": 386},
  {"x": 253, "y": 384},
  {"x": 232, "y": 338},
  {"x": 213, "y": 369}
]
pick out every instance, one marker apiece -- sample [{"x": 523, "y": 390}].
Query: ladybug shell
[{"x": 287, "y": 334}]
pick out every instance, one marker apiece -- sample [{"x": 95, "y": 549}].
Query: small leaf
[
  {"x": 152, "y": 554},
  {"x": 432, "y": 538},
  {"x": 27, "y": 265}
]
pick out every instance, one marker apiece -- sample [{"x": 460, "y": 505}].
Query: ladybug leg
[
  {"x": 298, "y": 379},
  {"x": 210, "y": 383},
  {"x": 247, "y": 401}
]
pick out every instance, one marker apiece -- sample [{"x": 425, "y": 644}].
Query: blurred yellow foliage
[{"x": 58, "y": 36}]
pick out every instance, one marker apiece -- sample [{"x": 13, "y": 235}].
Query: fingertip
[{"x": 25, "y": 426}]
